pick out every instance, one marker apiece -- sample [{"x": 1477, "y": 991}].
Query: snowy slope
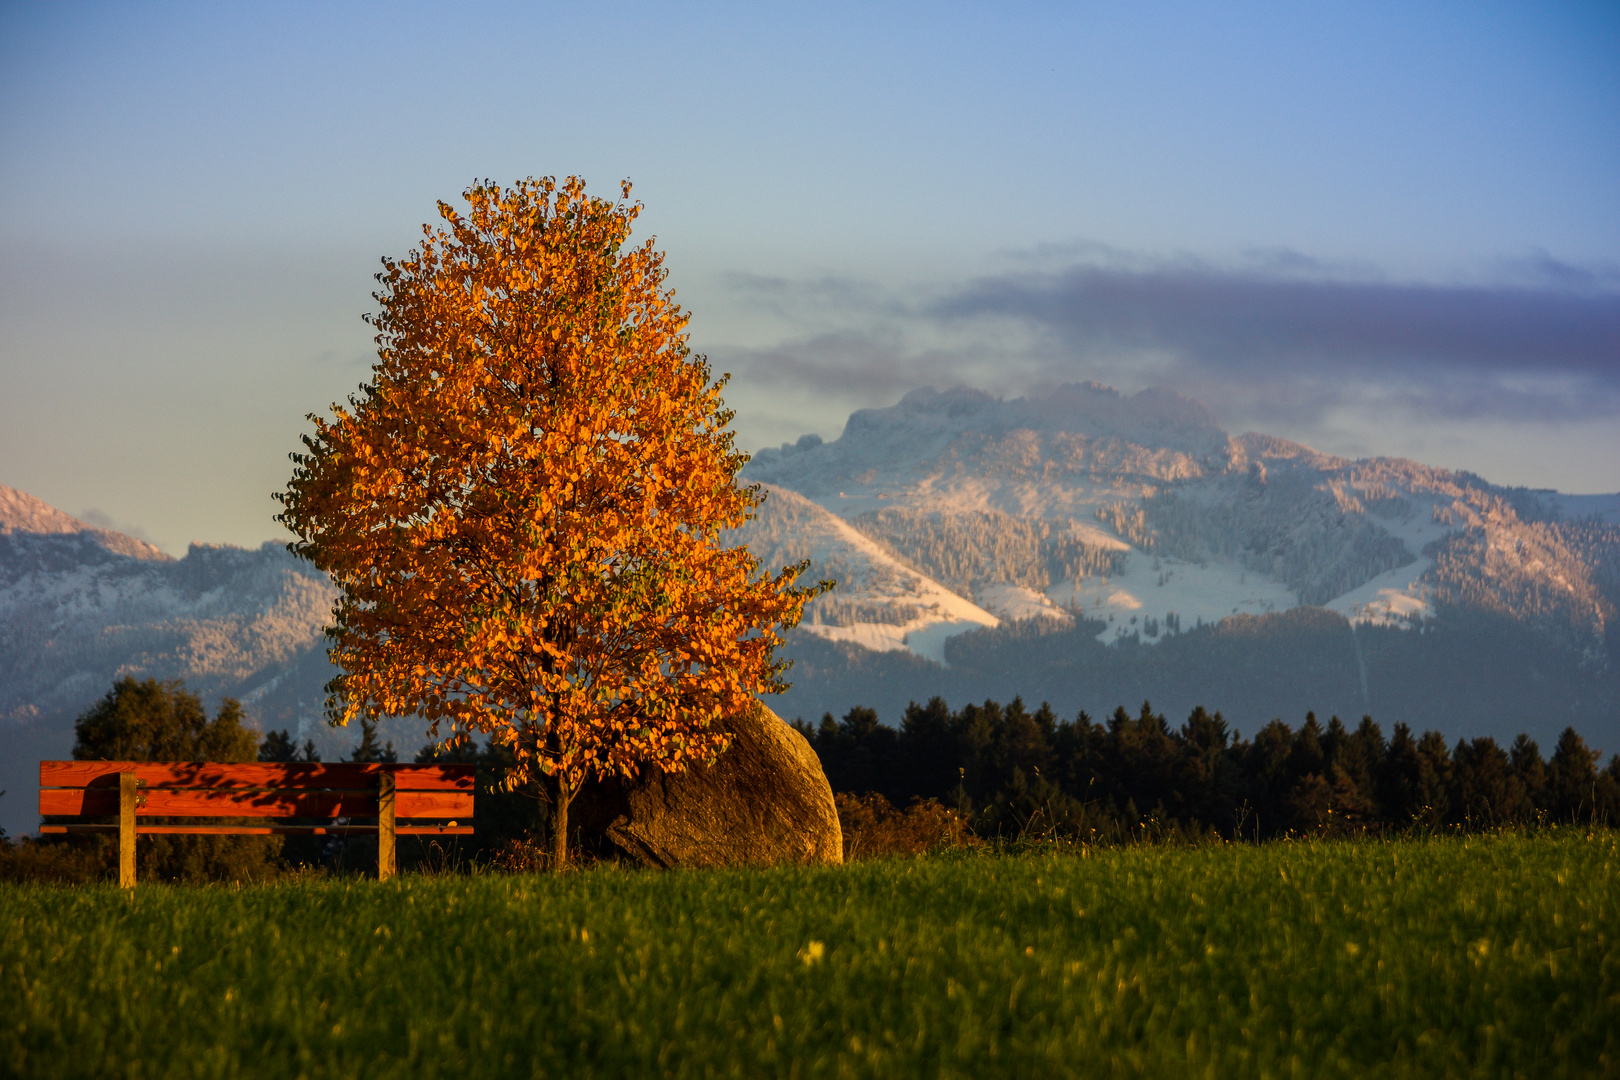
[
  {"x": 1397, "y": 597},
  {"x": 1155, "y": 594},
  {"x": 878, "y": 603},
  {"x": 1061, "y": 455}
]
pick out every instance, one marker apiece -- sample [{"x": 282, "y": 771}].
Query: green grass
[{"x": 1491, "y": 956}]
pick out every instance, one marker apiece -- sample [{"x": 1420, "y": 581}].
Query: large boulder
[{"x": 765, "y": 800}]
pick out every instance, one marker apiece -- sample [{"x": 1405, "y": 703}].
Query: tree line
[
  {"x": 999, "y": 770},
  {"x": 1010, "y": 771}
]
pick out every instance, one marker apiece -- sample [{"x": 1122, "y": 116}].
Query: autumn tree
[{"x": 523, "y": 508}]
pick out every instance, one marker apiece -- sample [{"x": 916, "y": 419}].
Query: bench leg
[
  {"x": 385, "y": 826},
  {"x": 126, "y": 830}
]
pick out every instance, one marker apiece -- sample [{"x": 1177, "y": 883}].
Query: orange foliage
[{"x": 522, "y": 508}]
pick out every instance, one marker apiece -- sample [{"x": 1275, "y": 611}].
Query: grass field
[{"x": 1489, "y": 956}]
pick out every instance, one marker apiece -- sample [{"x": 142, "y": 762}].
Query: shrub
[
  {"x": 54, "y": 861},
  {"x": 873, "y": 828}
]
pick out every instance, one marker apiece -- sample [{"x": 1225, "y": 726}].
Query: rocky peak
[{"x": 24, "y": 516}]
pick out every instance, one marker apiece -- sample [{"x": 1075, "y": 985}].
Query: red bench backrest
[{"x": 251, "y": 789}]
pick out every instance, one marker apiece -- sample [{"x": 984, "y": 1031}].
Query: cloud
[
  {"x": 102, "y": 520},
  {"x": 1278, "y": 336},
  {"x": 1246, "y": 322},
  {"x": 866, "y": 362}
]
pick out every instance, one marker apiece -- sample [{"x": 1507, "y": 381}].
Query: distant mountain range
[
  {"x": 1080, "y": 546},
  {"x": 1117, "y": 548}
]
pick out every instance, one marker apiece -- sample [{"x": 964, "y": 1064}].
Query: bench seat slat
[
  {"x": 191, "y": 802},
  {"x": 337, "y": 775}
]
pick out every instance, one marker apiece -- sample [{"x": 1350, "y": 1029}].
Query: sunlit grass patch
[{"x": 1490, "y": 955}]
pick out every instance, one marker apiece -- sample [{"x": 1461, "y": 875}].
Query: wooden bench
[{"x": 409, "y": 800}]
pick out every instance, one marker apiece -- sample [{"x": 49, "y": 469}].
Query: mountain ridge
[
  {"x": 21, "y": 514},
  {"x": 1321, "y": 527}
]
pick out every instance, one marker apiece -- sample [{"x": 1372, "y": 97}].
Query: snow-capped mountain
[
  {"x": 1140, "y": 512},
  {"x": 81, "y": 606}
]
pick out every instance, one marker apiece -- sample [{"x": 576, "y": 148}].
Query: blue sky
[{"x": 1377, "y": 228}]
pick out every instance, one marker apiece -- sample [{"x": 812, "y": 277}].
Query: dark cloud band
[
  {"x": 1249, "y": 344},
  {"x": 1359, "y": 327}
]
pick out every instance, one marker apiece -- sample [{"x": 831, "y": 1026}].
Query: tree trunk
[{"x": 561, "y": 795}]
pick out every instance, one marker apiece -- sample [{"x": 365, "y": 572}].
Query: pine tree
[
  {"x": 1572, "y": 778},
  {"x": 281, "y": 746},
  {"x": 1531, "y": 772},
  {"x": 369, "y": 750}
]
